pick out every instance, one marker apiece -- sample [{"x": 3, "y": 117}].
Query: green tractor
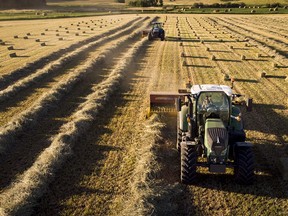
[{"x": 209, "y": 126}]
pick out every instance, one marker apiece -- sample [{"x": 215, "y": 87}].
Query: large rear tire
[
  {"x": 244, "y": 169},
  {"x": 188, "y": 164}
]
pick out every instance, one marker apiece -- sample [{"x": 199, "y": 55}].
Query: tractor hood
[{"x": 216, "y": 137}]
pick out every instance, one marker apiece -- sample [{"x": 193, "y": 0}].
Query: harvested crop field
[{"x": 75, "y": 139}]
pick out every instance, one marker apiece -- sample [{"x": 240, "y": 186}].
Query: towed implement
[{"x": 209, "y": 126}]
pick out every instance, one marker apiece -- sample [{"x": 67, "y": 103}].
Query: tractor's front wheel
[
  {"x": 244, "y": 169},
  {"x": 188, "y": 163},
  {"x": 150, "y": 37}
]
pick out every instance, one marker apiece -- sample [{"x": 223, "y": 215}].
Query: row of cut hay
[
  {"x": 60, "y": 63},
  {"x": 263, "y": 26},
  {"x": 7, "y": 79},
  {"x": 140, "y": 184},
  {"x": 20, "y": 198},
  {"x": 263, "y": 45},
  {"x": 28, "y": 118}
]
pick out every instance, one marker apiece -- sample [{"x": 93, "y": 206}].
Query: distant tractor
[
  {"x": 157, "y": 31},
  {"x": 209, "y": 126}
]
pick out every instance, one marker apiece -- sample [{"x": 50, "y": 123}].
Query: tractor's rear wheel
[
  {"x": 244, "y": 169},
  {"x": 188, "y": 164}
]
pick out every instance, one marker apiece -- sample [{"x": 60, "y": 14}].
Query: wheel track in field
[
  {"x": 42, "y": 105},
  {"x": 76, "y": 125},
  {"x": 13, "y": 76},
  {"x": 55, "y": 68}
]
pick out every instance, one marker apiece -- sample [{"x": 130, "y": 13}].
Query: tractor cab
[
  {"x": 157, "y": 25},
  {"x": 212, "y": 105}
]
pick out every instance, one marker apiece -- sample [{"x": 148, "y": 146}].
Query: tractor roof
[{"x": 196, "y": 89}]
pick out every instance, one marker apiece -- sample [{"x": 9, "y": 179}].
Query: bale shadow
[
  {"x": 227, "y": 60},
  {"x": 199, "y": 66},
  {"x": 246, "y": 80}
]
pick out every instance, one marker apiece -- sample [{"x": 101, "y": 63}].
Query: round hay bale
[
  {"x": 84, "y": 32},
  {"x": 43, "y": 44},
  {"x": 46, "y": 29},
  {"x": 275, "y": 65},
  {"x": 67, "y": 32},
  {"x": 60, "y": 26},
  {"x": 57, "y": 34},
  {"x": 231, "y": 47},
  {"x": 184, "y": 63},
  {"x": 16, "y": 36},
  {"x": 57, "y": 30},
  {"x": 275, "y": 9},
  {"x": 42, "y": 33},
  {"x": 207, "y": 49},
  {"x": 44, "y": 14},
  {"x": 28, "y": 34},
  {"x": 37, "y": 40},
  {"x": 25, "y": 37},
  {"x": 243, "y": 57},
  {"x": 213, "y": 57},
  {"x": 182, "y": 54},
  {"x": 253, "y": 11},
  {"x": 10, "y": 48},
  {"x": 61, "y": 39},
  {"x": 181, "y": 44},
  {"x": 76, "y": 34},
  {"x": 258, "y": 55}
]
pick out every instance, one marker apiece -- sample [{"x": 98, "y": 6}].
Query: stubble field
[{"x": 74, "y": 138}]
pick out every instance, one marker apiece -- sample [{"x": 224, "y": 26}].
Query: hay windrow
[
  {"x": 60, "y": 63},
  {"x": 21, "y": 196},
  {"x": 29, "y": 117},
  {"x": 7, "y": 79}
]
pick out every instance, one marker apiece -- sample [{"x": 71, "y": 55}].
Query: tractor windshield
[
  {"x": 213, "y": 105},
  {"x": 157, "y": 25}
]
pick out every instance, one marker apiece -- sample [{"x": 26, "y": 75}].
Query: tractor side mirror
[{"x": 178, "y": 103}]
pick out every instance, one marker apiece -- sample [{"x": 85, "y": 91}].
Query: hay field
[
  {"x": 74, "y": 138},
  {"x": 248, "y": 2}
]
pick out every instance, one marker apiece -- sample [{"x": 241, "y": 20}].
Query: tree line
[{"x": 18, "y": 4}]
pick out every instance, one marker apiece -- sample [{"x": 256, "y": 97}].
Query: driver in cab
[{"x": 207, "y": 102}]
